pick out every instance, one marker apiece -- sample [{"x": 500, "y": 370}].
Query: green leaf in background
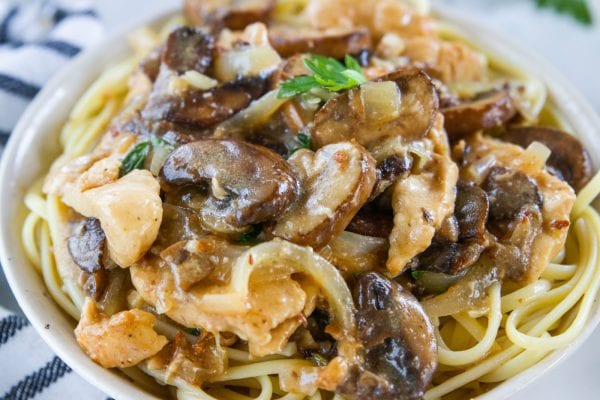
[{"x": 578, "y": 9}]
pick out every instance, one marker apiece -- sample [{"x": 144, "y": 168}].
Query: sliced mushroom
[
  {"x": 389, "y": 170},
  {"x": 150, "y": 65},
  {"x": 471, "y": 210},
  {"x": 247, "y": 184},
  {"x": 349, "y": 116},
  {"x": 454, "y": 252},
  {"x": 372, "y": 222},
  {"x": 569, "y": 160},
  {"x": 400, "y": 351},
  {"x": 87, "y": 245},
  {"x": 188, "y": 49},
  {"x": 232, "y": 14},
  {"x": 334, "y": 43},
  {"x": 335, "y": 181},
  {"x": 204, "y": 108},
  {"x": 515, "y": 218},
  {"x": 510, "y": 193},
  {"x": 488, "y": 110}
]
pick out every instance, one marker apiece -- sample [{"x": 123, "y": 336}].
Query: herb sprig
[
  {"x": 136, "y": 157},
  {"x": 578, "y": 9},
  {"x": 303, "y": 141},
  {"x": 328, "y": 73}
]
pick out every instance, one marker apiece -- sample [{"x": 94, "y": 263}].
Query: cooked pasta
[{"x": 245, "y": 217}]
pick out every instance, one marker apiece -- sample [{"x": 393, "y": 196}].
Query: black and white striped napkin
[{"x": 36, "y": 39}]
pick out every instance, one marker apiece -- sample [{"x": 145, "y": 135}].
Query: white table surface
[{"x": 573, "y": 49}]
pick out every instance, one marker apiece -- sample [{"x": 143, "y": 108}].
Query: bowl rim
[{"x": 575, "y": 106}]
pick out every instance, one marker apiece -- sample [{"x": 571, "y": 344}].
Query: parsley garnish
[
  {"x": 135, "y": 158},
  {"x": 318, "y": 360},
  {"x": 577, "y": 9},
  {"x": 251, "y": 237},
  {"x": 303, "y": 141},
  {"x": 417, "y": 274},
  {"x": 328, "y": 73},
  {"x": 192, "y": 331}
]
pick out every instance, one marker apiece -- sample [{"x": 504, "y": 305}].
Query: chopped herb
[
  {"x": 328, "y": 73},
  {"x": 303, "y": 141},
  {"x": 251, "y": 237},
  {"x": 318, "y": 360},
  {"x": 417, "y": 274},
  {"x": 135, "y": 158},
  {"x": 192, "y": 331},
  {"x": 578, "y": 9},
  {"x": 157, "y": 141}
]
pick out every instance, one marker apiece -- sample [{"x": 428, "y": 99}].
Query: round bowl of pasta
[{"x": 193, "y": 210}]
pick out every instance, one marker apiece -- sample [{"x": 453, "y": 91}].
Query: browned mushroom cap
[
  {"x": 372, "y": 222},
  {"x": 471, "y": 210},
  {"x": 332, "y": 43},
  {"x": 569, "y": 160},
  {"x": 451, "y": 255},
  {"x": 485, "y": 111},
  {"x": 400, "y": 351},
  {"x": 515, "y": 218},
  {"x": 344, "y": 117},
  {"x": 232, "y": 14},
  {"x": 87, "y": 245},
  {"x": 188, "y": 49},
  {"x": 336, "y": 181},
  {"x": 247, "y": 184},
  {"x": 204, "y": 108},
  {"x": 510, "y": 192},
  {"x": 389, "y": 170}
]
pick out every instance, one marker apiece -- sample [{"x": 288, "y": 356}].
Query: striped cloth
[{"x": 36, "y": 39}]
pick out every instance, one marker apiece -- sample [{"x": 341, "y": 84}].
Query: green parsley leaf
[
  {"x": 251, "y": 237},
  {"x": 578, "y": 9},
  {"x": 303, "y": 140},
  {"x": 417, "y": 274},
  {"x": 192, "y": 331},
  {"x": 328, "y": 73},
  {"x": 318, "y": 360},
  {"x": 296, "y": 86},
  {"x": 135, "y": 158},
  {"x": 352, "y": 63}
]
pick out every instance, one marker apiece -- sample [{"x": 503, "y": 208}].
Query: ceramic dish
[{"x": 34, "y": 144}]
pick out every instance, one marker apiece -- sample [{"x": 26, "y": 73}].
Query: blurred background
[{"x": 571, "y": 46}]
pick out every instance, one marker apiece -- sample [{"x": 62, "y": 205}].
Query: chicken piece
[
  {"x": 193, "y": 363},
  {"x": 129, "y": 210},
  {"x": 379, "y": 16},
  {"x": 123, "y": 340},
  {"x": 262, "y": 322},
  {"x": 483, "y": 155},
  {"x": 447, "y": 61},
  {"x": 422, "y": 201},
  {"x": 336, "y": 182}
]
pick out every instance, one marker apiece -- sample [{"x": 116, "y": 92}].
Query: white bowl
[{"x": 34, "y": 144}]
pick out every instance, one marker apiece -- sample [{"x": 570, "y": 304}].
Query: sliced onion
[
  {"x": 199, "y": 81},
  {"x": 381, "y": 100},
  {"x": 468, "y": 292},
  {"x": 245, "y": 61},
  {"x": 354, "y": 253},
  {"x": 436, "y": 282},
  {"x": 258, "y": 113}
]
